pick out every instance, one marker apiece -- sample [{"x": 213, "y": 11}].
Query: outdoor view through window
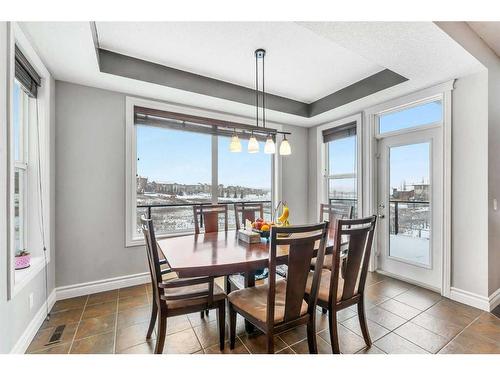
[{"x": 174, "y": 172}]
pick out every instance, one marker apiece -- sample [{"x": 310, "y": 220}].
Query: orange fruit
[{"x": 265, "y": 228}]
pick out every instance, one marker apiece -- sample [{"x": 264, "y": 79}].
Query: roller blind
[
  {"x": 339, "y": 132},
  {"x": 26, "y": 74},
  {"x": 197, "y": 124}
]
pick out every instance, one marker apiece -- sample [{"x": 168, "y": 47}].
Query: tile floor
[{"x": 402, "y": 319}]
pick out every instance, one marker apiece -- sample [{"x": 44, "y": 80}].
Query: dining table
[{"x": 222, "y": 254}]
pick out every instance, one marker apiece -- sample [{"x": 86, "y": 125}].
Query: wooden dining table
[{"x": 222, "y": 254}]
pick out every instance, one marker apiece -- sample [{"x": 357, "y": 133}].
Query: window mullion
[{"x": 215, "y": 164}]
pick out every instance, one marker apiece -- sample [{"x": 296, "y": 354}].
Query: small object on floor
[{"x": 56, "y": 336}]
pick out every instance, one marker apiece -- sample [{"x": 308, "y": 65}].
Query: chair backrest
[
  {"x": 159, "y": 287},
  {"x": 302, "y": 242},
  {"x": 335, "y": 212},
  {"x": 210, "y": 214},
  {"x": 359, "y": 235},
  {"x": 247, "y": 211},
  {"x": 153, "y": 257}
]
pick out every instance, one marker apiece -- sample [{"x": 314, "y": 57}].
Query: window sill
[{"x": 23, "y": 277}]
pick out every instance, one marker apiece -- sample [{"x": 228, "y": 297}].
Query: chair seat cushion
[
  {"x": 324, "y": 287},
  {"x": 219, "y": 295},
  {"x": 327, "y": 262},
  {"x": 254, "y": 301}
]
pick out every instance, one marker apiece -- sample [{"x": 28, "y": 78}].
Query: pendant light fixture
[
  {"x": 269, "y": 147},
  {"x": 235, "y": 145},
  {"x": 253, "y": 143},
  {"x": 285, "y": 148}
]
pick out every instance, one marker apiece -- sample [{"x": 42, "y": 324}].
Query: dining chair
[
  {"x": 339, "y": 290},
  {"x": 334, "y": 212},
  {"x": 248, "y": 212},
  {"x": 178, "y": 296},
  {"x": 279, "y": 305},
  {"x": 209, "y": 214}
]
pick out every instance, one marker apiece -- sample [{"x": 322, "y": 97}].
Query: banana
[{"x": 283, "y": 219}]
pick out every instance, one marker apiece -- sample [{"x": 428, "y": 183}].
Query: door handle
[{"x": 381, "y": 216}]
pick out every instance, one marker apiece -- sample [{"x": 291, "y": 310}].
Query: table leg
[{"x": 249, "y": 282}]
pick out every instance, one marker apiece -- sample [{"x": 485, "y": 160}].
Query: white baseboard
[
  {"x": 471, "y": 299},
  {"x": 97, "y": 286},
  {"x": 494, "y": 299},
  {"x": 33, "y": 327}
]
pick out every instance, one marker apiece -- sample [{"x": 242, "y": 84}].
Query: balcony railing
[
  {"x": 178, "y": 217},
  {"x": 410, "y": 218},
  {"x": 342, "y": 202}
]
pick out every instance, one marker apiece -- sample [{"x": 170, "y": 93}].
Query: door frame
[{"x": 444, "y": 92}]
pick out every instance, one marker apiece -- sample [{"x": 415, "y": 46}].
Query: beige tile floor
[{"x": 402, "y": 319}]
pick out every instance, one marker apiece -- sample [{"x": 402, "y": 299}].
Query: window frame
[
  {"x": 405, "y": 106},
  {"x": 131, "y": 161},
  {"x": 324, "y": 177}
]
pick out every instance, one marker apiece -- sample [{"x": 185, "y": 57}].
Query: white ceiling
[
  {"x": 489, "y": 32},
  {"x": 300, "y": 64},
  {"x": 302, "y": 61}
]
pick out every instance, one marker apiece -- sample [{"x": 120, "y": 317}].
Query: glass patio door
[{"x": 409, "y": 206}]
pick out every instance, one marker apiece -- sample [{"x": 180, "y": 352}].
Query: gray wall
[
  {"x": 295, "y": 180},
  {"x": 464, "y": 35},
  {"x": 470, "y": 184},
  {"x": 90, "y": 185},
  {"x": 15, "y": 314}
]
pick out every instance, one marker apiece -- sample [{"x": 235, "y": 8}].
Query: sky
[{"x": 185, "y": 157}]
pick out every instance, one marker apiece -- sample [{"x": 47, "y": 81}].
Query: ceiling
[
  {"x": 489, "y": 32},
  {"x": 304, "y": 61},
  {"x": 300, "y": 64}
]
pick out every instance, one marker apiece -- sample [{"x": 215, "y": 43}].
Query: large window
[
  {"x": 20, "y": 138},
  {"x": 341, "y": 169},
  {"x": 178, "y": 167}
]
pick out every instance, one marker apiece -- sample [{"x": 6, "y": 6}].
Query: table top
[{"x": 218, "y": 254}]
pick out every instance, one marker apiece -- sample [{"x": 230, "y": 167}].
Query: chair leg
[
  {"x": 232, "y": 327},
  {"x": 363, "y": 324},
  {"x": 206, "y": 312},
  {"x": 334, "y": 336},
  {"x": 323, "y": 310},
  {"x": 311, "y": 336},
  {"x": 228, "y": 284},
  {"x": 152, "y": 322},
  {"x": 162, "y": 332},
  {"x": 270, "y": 343},
  {"x": 202, "y": 314},
  {"x": 221, "y": 322}
]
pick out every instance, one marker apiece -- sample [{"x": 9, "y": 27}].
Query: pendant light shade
[
  {"x": 253, "y": 145},
  {"x": 285, "y": 148},
  {"x": 235, "y": 145},
  {"x": 270, "y": 147}
]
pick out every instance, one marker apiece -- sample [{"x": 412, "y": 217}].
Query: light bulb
[
  {"x": 253, "y": 145},
  {"x": 285, "y": 148},
  {"x": 235, "y": 145},
  {"x": 269, "y": 147}
]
